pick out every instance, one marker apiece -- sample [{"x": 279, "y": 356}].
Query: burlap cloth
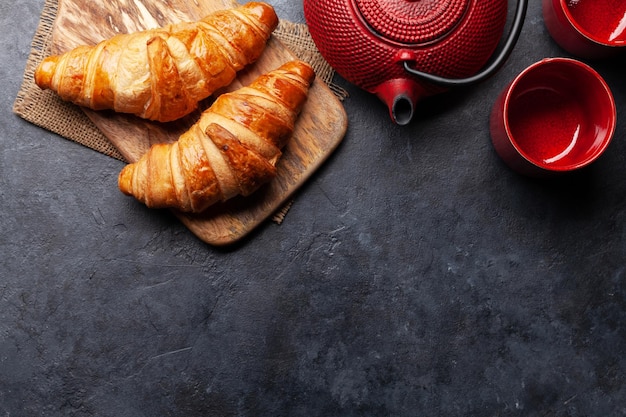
[{"x": 45, "y": 109}]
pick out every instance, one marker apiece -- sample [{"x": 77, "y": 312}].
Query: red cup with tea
[
  {"x": 590, "y": 29},
  {"x": 556, "y": 116}
]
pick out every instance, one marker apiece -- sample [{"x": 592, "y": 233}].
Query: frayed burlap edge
[
  {"x": 44, "y": 108},
  {"x": 296, "y": 37}
]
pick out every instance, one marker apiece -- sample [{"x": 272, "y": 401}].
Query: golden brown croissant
[
  {"x": 161, "y": 74},
  {"x": 231, "y": 150}
]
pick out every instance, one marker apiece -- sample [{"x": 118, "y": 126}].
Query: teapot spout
[{"x": 401, "y": 96}]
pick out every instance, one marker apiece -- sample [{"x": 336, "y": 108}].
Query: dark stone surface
[{"x": 415, "y": 275}]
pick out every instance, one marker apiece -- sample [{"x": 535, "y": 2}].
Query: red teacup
[
  {"x": 587, "y": 28},
  {"x": 557, "y": 115}
]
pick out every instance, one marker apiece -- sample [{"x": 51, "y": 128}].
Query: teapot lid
[{"x": 412, "y": 21}]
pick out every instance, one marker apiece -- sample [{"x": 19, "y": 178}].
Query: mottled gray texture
[{"x": 415, "y": 275}]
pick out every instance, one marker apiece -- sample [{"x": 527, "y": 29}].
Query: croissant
[
  {"x": 232, "y": 149},
  {"x": 161, "y": 74}
]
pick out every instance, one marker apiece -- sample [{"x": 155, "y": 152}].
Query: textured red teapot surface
[
  {"x": 604, "y": 20},
  {"x": 418, "y": 22},
  {"x": 366, "y": 40}
]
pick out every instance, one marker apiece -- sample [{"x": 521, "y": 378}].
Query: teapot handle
[{"x": 516, "y": 30}]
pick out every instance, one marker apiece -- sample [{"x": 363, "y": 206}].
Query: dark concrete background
[{"x": 415, "y": 275}]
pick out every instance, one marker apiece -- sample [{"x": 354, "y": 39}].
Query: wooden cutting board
[{"x": 320, "y": 128}]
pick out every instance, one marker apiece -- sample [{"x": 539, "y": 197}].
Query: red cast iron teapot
[{"x": 403, "y": 50}]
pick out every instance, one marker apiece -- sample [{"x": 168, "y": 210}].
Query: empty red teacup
[
  {"x": 556, "y": 116},
  {"x": 587, "y": 28}
]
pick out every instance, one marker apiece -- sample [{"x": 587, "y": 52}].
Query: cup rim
[
  {"x": 609, "y": 95},
  {"x": 584, "y": 32}
]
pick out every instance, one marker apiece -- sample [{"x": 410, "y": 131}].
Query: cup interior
[
  {"x": 602, "y": 21},
  {"x": 560, "y": 114}
]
